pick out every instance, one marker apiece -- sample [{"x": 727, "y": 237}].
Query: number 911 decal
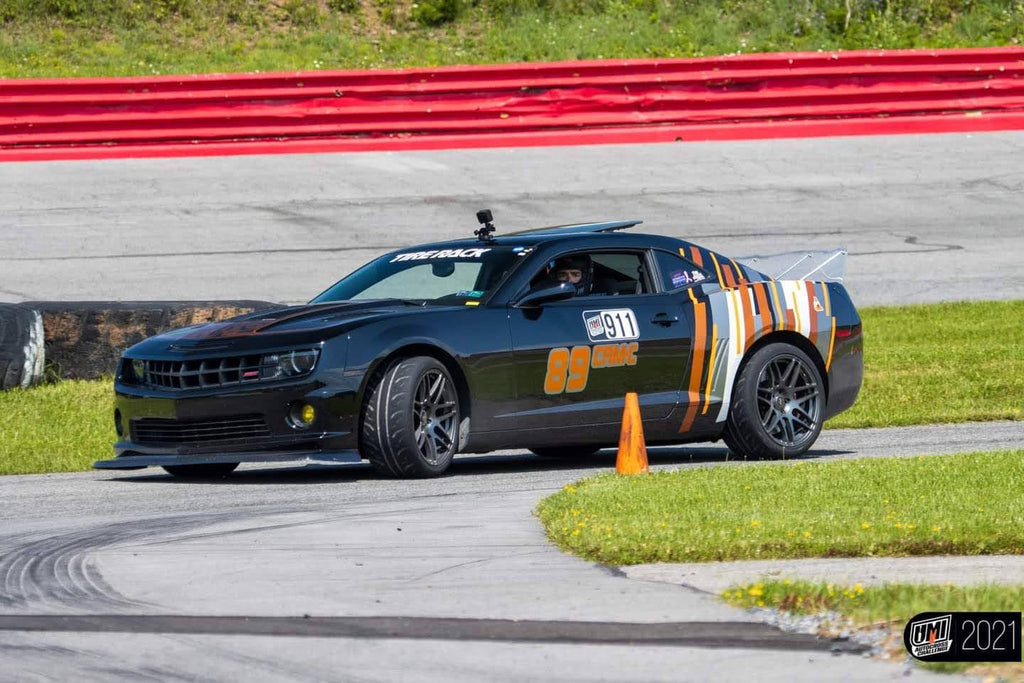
[{"x": 614, "y": 324}]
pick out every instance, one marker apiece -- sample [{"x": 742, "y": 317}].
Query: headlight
[
  {"x": 288, "y": 364},
  {"x": 139, "y": 370}
]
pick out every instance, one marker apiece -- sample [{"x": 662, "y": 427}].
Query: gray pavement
[
  {"x": 926, "y": 218},
  {"x": 340, "y": 542}
]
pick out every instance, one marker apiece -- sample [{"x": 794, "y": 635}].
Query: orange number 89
[{"x": 567, "y": 371}]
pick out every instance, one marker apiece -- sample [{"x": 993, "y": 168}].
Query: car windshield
[{"x": 433, "y": 276}]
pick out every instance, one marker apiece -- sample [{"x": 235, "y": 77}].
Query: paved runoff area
[
  {"x": 925, "y": 218},
  {"x": 331, "y": 573}
]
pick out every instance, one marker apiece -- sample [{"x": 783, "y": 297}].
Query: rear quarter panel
[{"x": 737, "y": 319}]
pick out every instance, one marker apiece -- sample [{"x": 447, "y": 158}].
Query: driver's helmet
[{"x": 576, "y": 269}]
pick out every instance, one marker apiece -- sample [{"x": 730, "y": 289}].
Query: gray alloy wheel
[
  {"x": 778, "y": 404},
  {"x": 434, "y": 417},
  {"x": 789, "y": 400},
  {"x": 410, "y": 421}
]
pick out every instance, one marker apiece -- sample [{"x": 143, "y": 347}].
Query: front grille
[
  {"x": 195, "y": 374},
  {"x": 164, "y": 431}
]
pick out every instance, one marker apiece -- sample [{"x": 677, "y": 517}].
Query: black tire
[
  {"x": 217, "y": 470},
  {"x": 778, "y": 404},
  {"x": 410, "y": 423},
  {"x": 566, "y": 452},
  {"x": 22, "y": 347}
]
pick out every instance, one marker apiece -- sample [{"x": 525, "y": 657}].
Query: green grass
[
  {"x": 950, "y": 362},
  {"x": 56, "y": 428},
  {"x": 870, "y": 605},
  {"x": 966, "y": 504},
  {"x": 923, "y": 364},
  {"x": 890, "y": 605},
  {"x": 121, "y": 37}
]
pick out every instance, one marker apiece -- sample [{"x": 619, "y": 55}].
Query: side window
[
  {"x": 598, "y": 273},
  {"x": 618, "y": 273},
  {"x": 677, "y": 272}
]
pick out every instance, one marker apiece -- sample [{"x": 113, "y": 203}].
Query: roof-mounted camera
[{"x": 484, "y": 217}]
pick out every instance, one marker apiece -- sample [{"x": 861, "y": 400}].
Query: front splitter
[{"x": 136, "y": 462}]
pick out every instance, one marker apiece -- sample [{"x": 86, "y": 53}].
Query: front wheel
[
  {"x": 217, "y": 470},
  {"x": 778, "y": 403},
  {"x": 410, "y": 425}
]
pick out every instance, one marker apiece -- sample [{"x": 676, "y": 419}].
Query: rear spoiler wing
[{"x": 828, "y": 265}]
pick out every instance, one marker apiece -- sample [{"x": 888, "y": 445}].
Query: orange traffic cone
[{"x": 632, "y": 458}]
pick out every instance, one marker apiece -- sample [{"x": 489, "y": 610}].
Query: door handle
[{"x": 664, "y": 319}]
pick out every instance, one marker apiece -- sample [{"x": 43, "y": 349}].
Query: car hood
[{"x": 304, "y": 324}]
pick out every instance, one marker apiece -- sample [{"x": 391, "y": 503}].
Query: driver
[{"x": 576, "y": 269}]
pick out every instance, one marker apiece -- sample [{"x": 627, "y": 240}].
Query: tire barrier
[
  {"x": 84, "y": 340},
  {"x": 729, "y": 97},
  {"x": 22, "y": 352}
]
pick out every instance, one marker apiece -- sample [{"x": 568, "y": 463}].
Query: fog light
[{"x": 302, "y": 415}]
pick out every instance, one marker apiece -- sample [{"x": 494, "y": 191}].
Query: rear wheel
[
  {"x": 568, "y": 452},
  {"x": 217, "y": 470},
  {"x": 778, "y": 403},
  {"x": 410, "y": 425}
]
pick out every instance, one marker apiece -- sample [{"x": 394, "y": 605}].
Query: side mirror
[{"x": 556, "y": 292}]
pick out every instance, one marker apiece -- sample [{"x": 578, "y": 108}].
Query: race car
[{"x": 527, "y": 340}]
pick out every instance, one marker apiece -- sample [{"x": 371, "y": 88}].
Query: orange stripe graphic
[
  {"x": 729, "y": 279},
  {"x": 831, "y": 344},
  {"x": 810, "y": 309},
  {"x": 762, "y": 305},
  {"x": 711, "y": 369},
  {"x": 739, "y": 273},
  {"x": 699, "y": 347},
  {"x": 736, "y": 322},
  {"x": 721, "y": 282},
  {"x": 780, "y": 311},
  {"x": 696, "y": 256},
  {"x": 748, "y": 318}
]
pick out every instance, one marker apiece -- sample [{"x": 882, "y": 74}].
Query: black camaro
[{"x": 527, "y": 340}]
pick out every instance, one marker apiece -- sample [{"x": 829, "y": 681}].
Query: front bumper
[{"x": 331, "y": 438}]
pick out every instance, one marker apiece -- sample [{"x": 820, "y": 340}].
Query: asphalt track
[
  {"x": 926, "y": 218},
  {"x": 445, "y": 579},
  {"x": 331, "y": 573}
]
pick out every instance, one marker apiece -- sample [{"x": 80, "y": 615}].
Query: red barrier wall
[{"x": 587, "y": 102}]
